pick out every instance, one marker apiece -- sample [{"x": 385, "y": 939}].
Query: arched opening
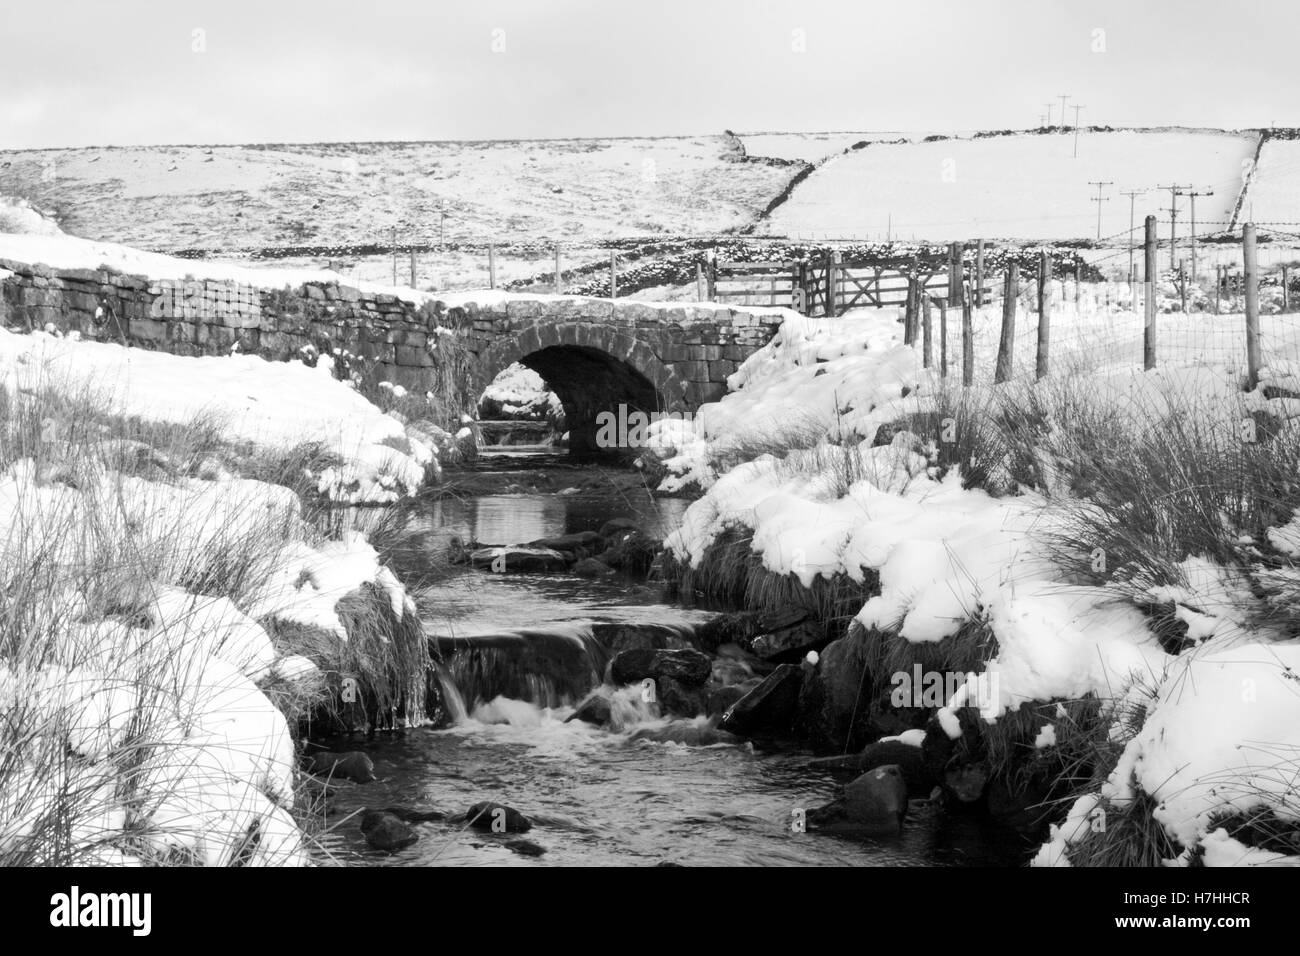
[
  {"x": 590, "y": 382},
  {"x": 518, "y": 408}
]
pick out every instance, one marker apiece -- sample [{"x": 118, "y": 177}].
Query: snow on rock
[{"x": 306, "y": 583}]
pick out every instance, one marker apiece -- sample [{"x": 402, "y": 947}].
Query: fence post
[
  {"x": 1044, "y": 318},
  {"x": 831, "y": 268},
  {"x": 967, "y": 342},
  {"x": 1008, "y": 340},
  {"x": 1286, "y": 290},
  {"x": 559, "y": 278},
  {"x": 1218, "y": 286},
  {"x": 979, "y": 274},
  {"x": 713, "y": 275},
  {"x": 954, "y": 271},
  {"x": 1251, "y": 265},
  {"x": 1182, "y": 287},
  {"x": 909, "y": 311},
  {"x": 412, "y": 267},
  {"x": 943, "y": 334},
  {"x": 492, "y": 266},
  {"x": 613, "y": 275},
  {"x": 1149, "y": 308},
  {"x": 700, "y": 289},
  {"x": 926, "y": 349}
]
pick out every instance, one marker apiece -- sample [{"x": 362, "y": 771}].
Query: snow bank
[{"x": 273, "y": 405}]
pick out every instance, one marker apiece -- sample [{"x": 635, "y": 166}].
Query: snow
[
  {"x": 1221, "y": 737},
  {"x": 1273, "y": 192},
  {"x": 1023, "y": 186},
  {"x": 274, "y": 405}
]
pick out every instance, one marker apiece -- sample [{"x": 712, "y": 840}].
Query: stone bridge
[
  {"x": 600, "y": 354},
  {"x": 595, "y": 354}
]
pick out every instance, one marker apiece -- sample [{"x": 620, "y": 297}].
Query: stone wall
[{"x": 595, "y": 353}]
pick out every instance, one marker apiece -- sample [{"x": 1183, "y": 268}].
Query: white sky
[{"x": 88, "y": 72}]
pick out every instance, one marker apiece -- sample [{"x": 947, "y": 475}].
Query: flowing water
[{"x": 519, "y": 651}]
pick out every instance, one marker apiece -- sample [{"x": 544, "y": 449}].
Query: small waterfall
[
  {"x": 451, "y": 696},
  {"x": 548, "y": 667}
]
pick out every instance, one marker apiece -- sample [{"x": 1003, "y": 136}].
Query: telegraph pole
[
  {"x": 1049, "y": 114},
  {"x": 1132, "y": 194},
  {"x": 1064, "y": 97},
  {"x": 1208, "y": 192},
  {"x": 1175, "y": 191},
  {"x": 1098, "y": 200},
  {"x": 1076, "y": 109}
]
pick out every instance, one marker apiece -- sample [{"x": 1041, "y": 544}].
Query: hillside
[
  {"x": 227, "y": 198},
  {"x": 1022, "y": 186}
]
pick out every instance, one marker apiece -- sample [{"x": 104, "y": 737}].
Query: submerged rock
[
  {"x": 769, "y": 708},
  {"x": 386, "y": 831},
  {"x": 517, "y": 560},
  {"x": 497, "y": 818},
  {"x": 592, "y": 568},
  {"x": 524, "y": 847},
  {"x": 685, "y": 732},
  {"x": 907, "y": 758},
  {"x": 351, "y": 765},
  {"x": 873, "y": 803},
  {"x": 594, "y": 710},
  {"x": 411, "y": 815}
]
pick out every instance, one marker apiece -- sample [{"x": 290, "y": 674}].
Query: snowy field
[
  {"x": 811, "y": 147},
  {"x": 1022, "y": 187},
  {"x": 229, "y": 197},
  {"x": 1274, "y": 194}
]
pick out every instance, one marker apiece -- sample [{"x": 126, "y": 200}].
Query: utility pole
[
  {"x": 1175, "y": 191},
  {"x": 1131, "y": 194},
  {"x": 1208, "y": 192},
  {"x": 1098, "y": 200},
  {"x": 1064, "y": 97},
  {"x": 1049, "y": 115},
  {"x": 1076, "y": 109}
]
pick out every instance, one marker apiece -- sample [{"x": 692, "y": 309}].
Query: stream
[{"x": 520, "y": 650}]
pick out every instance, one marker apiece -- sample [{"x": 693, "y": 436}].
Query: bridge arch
[{"x": 592, "y": 368}]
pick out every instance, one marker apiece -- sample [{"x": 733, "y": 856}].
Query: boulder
[
  {"x": 593, "y": 710},
  {"x": 385, "y": 831},
  {"x": 769, "y": 708},
  {"x": 617, "y": 637},
  {"x": 351, "y": 765},
  {"x": 785, "y": 616},
  {"x": 681, "y": 700},
  {"x": 686, "y": 732},
  {"x": 738, "y": 628},
  {"x": 497, "y": 818},
  {"x": 721, "y": 698},
  {"x": 790, "y": 644},
  {"x": 520, "y": 560},
  {"x": 874, "y": 803},
  {"x": 680, "y": 664}
]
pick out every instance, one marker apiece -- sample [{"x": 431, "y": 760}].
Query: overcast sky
[{"x": 89, "y": 72}]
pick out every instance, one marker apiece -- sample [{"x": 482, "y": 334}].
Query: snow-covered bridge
[{"x": 595, "y": 354}]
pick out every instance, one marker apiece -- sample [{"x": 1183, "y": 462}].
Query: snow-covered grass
[
  {"x": 165, "y": 625},
  {"x": 1076, "y": 543}
]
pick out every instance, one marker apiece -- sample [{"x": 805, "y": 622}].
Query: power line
[
  {"x": 1194, "y": 194},
  {"x": 1132, "y": 195}
]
